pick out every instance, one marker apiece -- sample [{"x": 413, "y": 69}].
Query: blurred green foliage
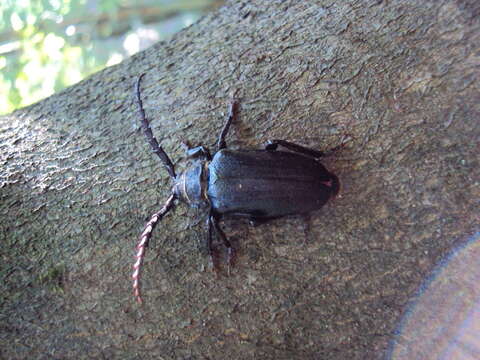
[{"x": 47, "y": 45}]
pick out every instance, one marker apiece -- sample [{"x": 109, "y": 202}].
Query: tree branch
[{"x": 78, "y": 182}]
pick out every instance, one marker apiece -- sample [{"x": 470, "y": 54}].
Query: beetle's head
[{"x": 191, "y": 185}]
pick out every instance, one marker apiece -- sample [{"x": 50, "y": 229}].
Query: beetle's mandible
[{"x": 257, "y": 184}]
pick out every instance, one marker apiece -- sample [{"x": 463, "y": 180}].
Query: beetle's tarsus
[
  {"x": 257, "y": 221},
  {"x": 230, "y": 258},
  {"x": 344, "y": 141}
]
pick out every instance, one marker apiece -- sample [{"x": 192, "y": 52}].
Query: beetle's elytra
[{"x": 258, "y": 184}]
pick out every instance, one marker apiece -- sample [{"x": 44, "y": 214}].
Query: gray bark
[{"x": 78, "y": 182}]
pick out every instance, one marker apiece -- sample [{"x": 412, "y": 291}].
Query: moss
[{"x": 53, "y": 277}]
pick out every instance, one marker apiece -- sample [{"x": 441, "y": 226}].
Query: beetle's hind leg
[
  {"x": 213, "y": 225},
  {"x": 211, "y": 251},
  {"x": 272, "y": 145}
]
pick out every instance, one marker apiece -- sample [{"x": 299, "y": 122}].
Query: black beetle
[{"x": 258, "y": 184}]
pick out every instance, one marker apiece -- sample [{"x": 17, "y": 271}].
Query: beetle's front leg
[
  {"x": 199, "y": 152},
  {"x": 232, "y": 114}
]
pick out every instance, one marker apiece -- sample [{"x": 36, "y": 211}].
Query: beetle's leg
[
  {"x": 253, "y": 221},
  {"x": 307, "y": 227},
  {"x": 232, "y": 114},
  {"x": 199, "y": 152},
  {"x": 273, "y": 144},
  {"x": 157, "y": 149},
  {"x": 143, "y": 242},
  {"x": 211, "y": 251},
  {"x": 228, "y": 245}
]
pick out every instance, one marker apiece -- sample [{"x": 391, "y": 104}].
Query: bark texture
[{"x": 78, "y": 182}]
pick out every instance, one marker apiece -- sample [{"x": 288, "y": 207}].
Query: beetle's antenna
[
  {"x": 143, "y": 242},
  {"x": 157, "y": 149}
]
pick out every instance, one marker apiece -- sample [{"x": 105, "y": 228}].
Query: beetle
[{"x": 258, "y": 184}]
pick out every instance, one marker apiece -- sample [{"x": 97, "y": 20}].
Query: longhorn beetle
[{"x": 257, "y": 184}]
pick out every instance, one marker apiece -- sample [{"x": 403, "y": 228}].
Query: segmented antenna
[
  {"x": 157, "y": 149},
  {"x": 143, "y": 242}
]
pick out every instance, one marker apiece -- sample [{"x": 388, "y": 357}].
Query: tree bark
[{"x": 78, "y": 182}]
